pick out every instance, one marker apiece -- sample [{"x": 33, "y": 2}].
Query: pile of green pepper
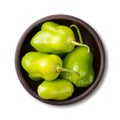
[{"x": 58, "y": 74}]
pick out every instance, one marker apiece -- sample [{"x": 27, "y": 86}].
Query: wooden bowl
[{"x": 90, "y": 37}]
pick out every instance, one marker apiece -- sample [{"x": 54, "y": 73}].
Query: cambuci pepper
[
  {"x": 59, "y": 89},
  {"x": 80, "y": 61},
  {"x": 55, "y": 38},
  {"x": 43, "y": 66}
]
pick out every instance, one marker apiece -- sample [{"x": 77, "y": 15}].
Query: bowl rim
[{"x": 99, "y": 43}]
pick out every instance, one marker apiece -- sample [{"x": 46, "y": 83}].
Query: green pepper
[
  {"x": 79, "y": 60},
  {"x": 54, "y": 38},
  {"x": 42, "y": 66},
  {"x": 59, "y": 89}
]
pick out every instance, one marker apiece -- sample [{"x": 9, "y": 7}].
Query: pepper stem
[
  {"x": 66, "y": 70},
  {"x": 78, "y": 32},
  {"x": 80, "y": 38},
  {"x": 80, "y": 44}
]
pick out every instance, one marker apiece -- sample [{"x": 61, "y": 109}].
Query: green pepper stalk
[
  {"x": 60, "y": 69},
  {"x": 80, "y": 38}
]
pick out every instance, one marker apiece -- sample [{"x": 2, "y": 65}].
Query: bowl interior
[{"x": 90, "y": 38}]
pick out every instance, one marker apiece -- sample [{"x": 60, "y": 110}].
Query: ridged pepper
[
  {"x": 58, "y": 89},
  {"x": 54, "y": 38},
  {"x": 79, "y": 60},
  {"x": 42, "y": 66}
]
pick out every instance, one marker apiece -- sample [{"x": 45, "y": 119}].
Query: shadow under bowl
[{"x": 90, "y": 37}]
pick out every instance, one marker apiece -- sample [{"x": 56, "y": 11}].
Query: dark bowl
[{"x": 90, "y": 37}]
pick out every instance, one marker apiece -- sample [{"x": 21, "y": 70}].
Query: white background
[{"x": 16, "y": 16}]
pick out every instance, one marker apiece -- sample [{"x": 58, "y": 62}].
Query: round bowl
[{"x": 90, "y": 37}]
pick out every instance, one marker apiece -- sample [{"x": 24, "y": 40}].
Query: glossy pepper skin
[
  {"x": 53, "y": 38},
  {"x": 58, "y": 89},
  {"x": 79, "y": 60},
  {"x": 40, "y": 65}
]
